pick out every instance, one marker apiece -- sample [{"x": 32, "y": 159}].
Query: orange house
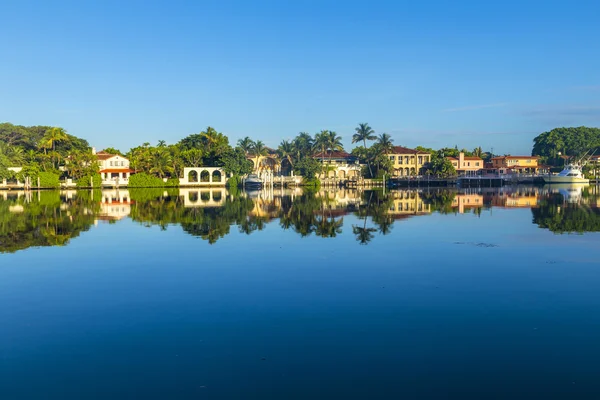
[{"x": 466, "y": 165}]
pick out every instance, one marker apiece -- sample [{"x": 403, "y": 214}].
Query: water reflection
[{"x": 52, "y": 218}]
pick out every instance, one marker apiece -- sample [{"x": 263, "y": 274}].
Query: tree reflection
[
  {"x": 46, "y": 218},
  {"x": 558, "y": 215}
]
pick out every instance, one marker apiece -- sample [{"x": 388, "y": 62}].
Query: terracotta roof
[
  {"x": 104, "y": 156},
  {"x": 406, "y": 150},
  {"x": 113, "y": 170},
  {"x": 465, "y": 158},
  {"x": 334, "y": 154},
  {"x": 515, "y": 157}
]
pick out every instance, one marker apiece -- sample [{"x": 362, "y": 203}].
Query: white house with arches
[{"x": 203, "y": 176}]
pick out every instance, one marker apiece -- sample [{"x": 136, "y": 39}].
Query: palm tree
[
  {"x": 31, "y": 156},
  {"x": 304, "y": 145},
  {"x": 210, "y": 136},
  {"x": 320, "y": 142},
  {"x": 258, "y": 150},
  {"x": 363, "y": 133},
  {"x": 285, "y": 152},
  {"x": 52, "y": 136},
  {"x": 385, "y": 143},
  {"x": 16, "y": 155},
  {"x": 334, "y": 143},
  {"x": 245, "y": 144},
  {"x": 162, "y": 143},
  {"x": 161, "y": 163},
  {"x": 477, "y": 152}
]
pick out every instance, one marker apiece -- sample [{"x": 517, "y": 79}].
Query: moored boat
[
  {"x": 253, "y": 181},
  {"x": 572, "y": 173}
]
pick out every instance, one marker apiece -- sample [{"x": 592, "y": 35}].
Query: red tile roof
[
  {"x": 104, "y": 156},
  {"x": 515, "y": 157},
  {"x": 406, "y": 150},
  {"x": 334, "y": 154},
  {"x": 116, "y": 170}
]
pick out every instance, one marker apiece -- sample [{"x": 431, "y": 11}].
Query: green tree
[
  {"x": 363, "y": 133},
  {"x": 245, "y": 144},
  {"x": 53, "y": 136},
  {"x": 258, "y": 150}
]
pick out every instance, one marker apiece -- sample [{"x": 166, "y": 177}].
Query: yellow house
[
  {"x": 408, "y": 162},
  {"x": 517, "y": 164}
]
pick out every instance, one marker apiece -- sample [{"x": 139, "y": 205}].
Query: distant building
[
  {"x": 518, "y": 165},
  {"x": 408, "y": 162},
  {"x": 466, "y": 165},
  {"x": 338, "y": 165},
  {"x": 114, "y": 169}
]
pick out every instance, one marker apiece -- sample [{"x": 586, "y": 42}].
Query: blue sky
[{"x": 431, "y": 73}]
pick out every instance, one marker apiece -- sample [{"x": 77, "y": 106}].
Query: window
[
  {"x": 468, "y": 164},
  {"x": 392, "y": 158},
  {"x": 122, "y": 163},
  {"x": 477, "y": 164},
  {"x": 111, "y": 163}
]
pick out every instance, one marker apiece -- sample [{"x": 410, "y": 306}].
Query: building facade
[
  {"x": 467, "y": 165},
  {"x": 338, "y": 165},
  {"x": 408, "y": 162},
  {"x": 517, "y": 165},
  {"x": 114, "y": 169}
]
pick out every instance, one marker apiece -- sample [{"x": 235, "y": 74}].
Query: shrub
[
  {"x": 85, "y": 181},
  {"x": 172, "y": 182},
  {"x": 145, "y": 181},
  {"x": 47, "y": 180},
  {"x": 234, "y": 181}
]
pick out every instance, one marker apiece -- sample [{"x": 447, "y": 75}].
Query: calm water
[{"x": 291, "y": 295}]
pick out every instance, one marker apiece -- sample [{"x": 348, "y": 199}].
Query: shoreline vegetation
[{"x": 45, "y": 157}]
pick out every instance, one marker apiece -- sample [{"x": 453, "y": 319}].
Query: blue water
[{"x": 445, "y": 306}]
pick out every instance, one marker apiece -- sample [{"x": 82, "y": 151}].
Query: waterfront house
[
  {"x": 114, "y": 169},
  {"x": 518, "y": 165},
  {"x": 466, "y": 166},
  {"x": 408, "y": 162},
  {"x": 338, "y": 165}
]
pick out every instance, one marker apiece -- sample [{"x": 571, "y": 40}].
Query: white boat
[
  {"x": 253, "y": 181},
  {"x": 571, "y": 174}
]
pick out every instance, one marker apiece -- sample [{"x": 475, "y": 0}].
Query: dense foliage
[
  {"x": 94, "y": 180},
  {"x": 43, "y": 148},
  {"x": 570, "y": 142}
]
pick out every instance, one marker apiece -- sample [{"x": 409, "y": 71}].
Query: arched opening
[
  {"x": 205, "y": 195},
  {"x": 331, "y": 173},
  {"x": 412, "y": 171},
  {"x": 193, "y": 176},
  {"x": 205, "y": 176},
  {"x": 216, "y": 176},
  {"x": 217, "y": 196},
  {"x": 193, "y": 196},
  {"x": 342, "y": 174},
  {"x": 406, "y": 172}
]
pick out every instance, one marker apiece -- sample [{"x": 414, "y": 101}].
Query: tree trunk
[{"x": 368, "y": 163}]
